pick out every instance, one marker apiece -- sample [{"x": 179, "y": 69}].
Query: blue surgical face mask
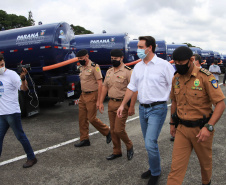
[
  {"x": 214, "y": 65},
  {"x": 141, "y": 53}
]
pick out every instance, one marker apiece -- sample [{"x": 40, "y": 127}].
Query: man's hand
[
  {"x": 131, "y": 111},
  {"x": 101, "y": 108},
  {"x": 119, "y": 111},
  {"x": 172, "y": 130},
  {"x": 97, "y": 104},
  {"x": 23, "y": 74},
  {"x": 203, "y": 135}
]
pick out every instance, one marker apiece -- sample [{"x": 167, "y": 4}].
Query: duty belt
[
  {"x": 198, "y": 123},
  {"x": 87, "y": 92},
  {"x": 152, "y": 104},
  {"x": 114, "y": 99}
]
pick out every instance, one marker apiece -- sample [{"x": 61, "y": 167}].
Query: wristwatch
[{"x": 209, "y": 127}]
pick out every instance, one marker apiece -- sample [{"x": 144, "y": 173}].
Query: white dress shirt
[{"x": 152, "y": 80}]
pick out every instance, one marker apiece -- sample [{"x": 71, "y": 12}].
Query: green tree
[
  {"x": 78, "y": 30},
  {"x": 190, "y": 45},
  {"x": 11, "y": 21},
  {"x": 30, "y": 18}
]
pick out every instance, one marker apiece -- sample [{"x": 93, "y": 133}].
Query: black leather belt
[
  {"x": 114, "y": 99},
  {"x": 153, "y": 104},
  {"x": 88, "y": 92},
  {"x": 198, "y": 123}
]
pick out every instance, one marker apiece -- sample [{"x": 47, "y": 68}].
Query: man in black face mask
[
  {"x": 91, "y": 84},
  {"x": 193, "y": 92},
  {"x": 115, "y": 84}
]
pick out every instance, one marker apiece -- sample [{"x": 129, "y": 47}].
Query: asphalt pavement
[{"x": 53, "y": 132}]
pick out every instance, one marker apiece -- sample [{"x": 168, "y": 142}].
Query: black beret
[
  {"x": 117, "y": 53},
  {"x": 182, "y": 53},
  {"x": 82, "y": 53}
]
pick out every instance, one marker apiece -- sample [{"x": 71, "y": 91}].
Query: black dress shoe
[
  {"x": 113, "y": 156},
  {"x": 108, "y": 138},
  {"x": 130, "y": 153},
  {"x": 208, "y": 183},
  {"x": 83, "y": 143},
  {"x": 30, "y": 163},
  {"x": 146, "y": 174},
  {"x": 153, "y": 180}
]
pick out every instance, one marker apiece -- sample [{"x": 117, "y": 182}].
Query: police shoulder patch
[
  {"x": 205, "y": 71},
  {"x": 127, "y": 67},
  {"x": 213, "y": 82},
  {"x": 93, "y": 64}
]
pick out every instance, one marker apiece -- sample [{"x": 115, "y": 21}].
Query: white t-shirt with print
[{"x": 10, "y": 83}]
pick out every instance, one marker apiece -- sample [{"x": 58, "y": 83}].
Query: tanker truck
[
  {"x": 44, "y": 49},
  {"x": 49, "y": 51},
  {"x": 100, "y": 45},
  {"x": 37, "y": 48}
]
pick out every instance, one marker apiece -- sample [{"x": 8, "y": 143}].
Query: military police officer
[
  {"x": 115, "y": 84},
  {"x": 193, "y": 92},
  {"x": 91, "y": 84}
]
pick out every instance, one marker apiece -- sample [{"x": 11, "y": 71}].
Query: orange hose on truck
[
  {"x": 61, "y": 64},
  {"x": 67, "y": 62}
]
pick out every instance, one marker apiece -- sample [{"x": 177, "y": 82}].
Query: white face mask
[{"x": 2, "y": 70}]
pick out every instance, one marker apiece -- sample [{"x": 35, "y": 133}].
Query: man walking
[
  {"x": 194, "y": 90},
  {"x": 152, "y": 78},
  {"x": 91, "y": 84},
  {"x": 10, "y": 114},
  {"x": 115, "y": 83}
]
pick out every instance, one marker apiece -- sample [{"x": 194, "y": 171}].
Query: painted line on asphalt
[{"x": 59, "y": 145}]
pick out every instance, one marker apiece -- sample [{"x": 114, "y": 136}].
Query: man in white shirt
[
  {"x": 152, "y": 78},
  {"x": 215, "y": 70},
  {"x": 10, "y": 114}
]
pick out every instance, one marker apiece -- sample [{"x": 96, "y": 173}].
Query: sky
[{"x": 199, "y": 22}]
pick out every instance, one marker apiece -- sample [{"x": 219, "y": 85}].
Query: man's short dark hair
[
  {"x": 182, "y": 53},
  {"x": 150, "y": 41},
  {"x": 1, "y": 57},
  {"x": 116, "y": 53},
  {"x": 82, "y": 53},
  {"x": 198, "y": 57}
]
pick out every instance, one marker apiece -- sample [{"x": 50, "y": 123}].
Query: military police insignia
[
  {"x": 177, "y": 85},
  {"x": 205, "y": 71},
  {"x": 127, "y": 67},
  {"x": 197, "y": 88},
  {"x": 93, "y": 64},
  {"x": 97, "y": 69},
  {"x": 196, "y": 82},
  {"x": 213, "y": 82},
  {"x": 120, "y": 77}
]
